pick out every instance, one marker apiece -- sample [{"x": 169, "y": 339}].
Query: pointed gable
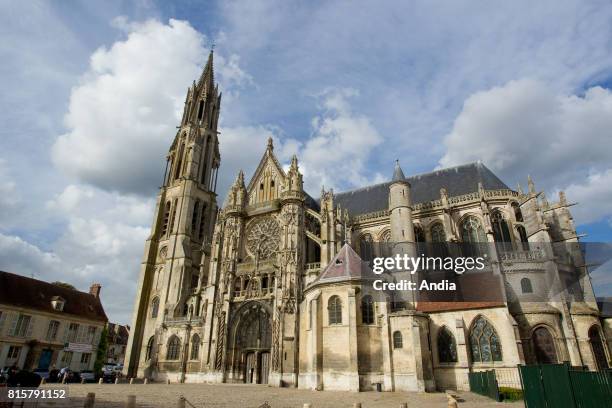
[
  {"x": 346, "y": 266},
  {"x": 268, "y": 180}
]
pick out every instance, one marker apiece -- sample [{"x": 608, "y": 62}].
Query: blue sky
[{"x": 92, "y": 92}]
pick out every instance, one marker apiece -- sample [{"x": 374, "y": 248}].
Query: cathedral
[{"x": 272, "y": 286}]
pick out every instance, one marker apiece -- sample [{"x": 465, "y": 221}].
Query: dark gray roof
[
  {"x": 425, "y": 187},
  {"x": 398, "y": 174},
  {"x": 605, "y": 306}
]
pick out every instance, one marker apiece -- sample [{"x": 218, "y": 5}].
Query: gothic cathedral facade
[{"x": 269, "y": 288}]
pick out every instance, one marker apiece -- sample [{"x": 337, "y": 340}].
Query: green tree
[{"x": 101, "y": 352}]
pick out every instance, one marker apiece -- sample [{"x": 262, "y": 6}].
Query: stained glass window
[{"x": 484, "y": 341}]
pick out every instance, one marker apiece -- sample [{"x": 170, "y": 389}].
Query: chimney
[{"x": 94, "y": 289}]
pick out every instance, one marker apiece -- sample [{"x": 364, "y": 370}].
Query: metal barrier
[
  {"x": 560, "y": 386},
  {"x": 484, "y": 383}
]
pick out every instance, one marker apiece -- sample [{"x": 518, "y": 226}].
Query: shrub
[{"x": 510, "y": 394}]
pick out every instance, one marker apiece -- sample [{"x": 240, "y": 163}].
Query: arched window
[
  {"x": 484, "y": 341},
  {"x": 385, "y": 243},
  {"x": 179, "y": 162},
  {"x": 437, "y": 232},
  {"x": 195, "y": 347},
  {"x": 171, "y": 226},
  {"x": 473, "y": 236},
  {"x": 599, "y": 354},
  {"x": 500, "y": 227},
  {"x": 202, "y": 223},
  {"x": 366, "y": 244},
  {"x": 419, "y": 235},
  {"x": 334, "y": 310},
  {"x": 447, "y": 347},
  {"x": 526, "y": 286},
  {"x": 194, "y": 218},
  {"x": 165, "y": 220},
  {"x": 174, "y": 348},
  {"x": 149, "y": 350},
  {"x": 518, "y": 215},
  {"x": 523, "y": 236},
  {"x": 544, "y": 346},
  {"x": 367, "y": 310},
  {"x": 397, "y": 340},
  {"x": 154, "y": 307},
  {"x": 471, "y": 230}
]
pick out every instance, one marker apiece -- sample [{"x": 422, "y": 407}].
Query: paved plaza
[{"x": 253, "y": 396}]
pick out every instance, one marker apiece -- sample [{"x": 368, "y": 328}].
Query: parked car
[
  {"x": 24, "y": 379},
  {"x": 42, "y": 373},
  {"x": 87, "y": 375}
]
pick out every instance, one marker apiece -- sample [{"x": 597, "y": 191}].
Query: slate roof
[
  {"x": 345, "y": 266},
  {"x": 605, "y": 306},
  {"x": 21, "y": 291},
  {"x": 425, "y": 187}
]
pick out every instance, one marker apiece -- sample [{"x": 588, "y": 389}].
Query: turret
[{"x": 400, "y": 207}]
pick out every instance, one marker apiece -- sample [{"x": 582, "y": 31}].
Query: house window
[
  {"x": 73, "y": 330},
  {"x": 22, "y": 325},
  {"x": 334, "y": 309},
  {"x": 66, "y": 358},
  {"x": 195, "y": 347},
  {"x": 91, "y": 334},
  {"x": 397, "y": 340},
  {"x": 526, "y": 286},
  {"x": 367, "y": 310},
  {"x": 174, "y": 347},
  {"x": 149, "y": 351},
  {"x": 484, "y": 342},
  {"x": 154, "y": 307},
  {"x": 13, "y": 353},
  {"x": 447, "y": 347},
  {"x": 85, "y": 358},
  {"x": 52, "y": 330}
]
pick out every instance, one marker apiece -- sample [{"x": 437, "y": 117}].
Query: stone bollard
[
  {"x": 100, "y": 381},
  {"x": 43, "y": 381},
  {"x": 181, "y": 402},
  {"x": 452, "y": 402},
  {"x": 82, "y": 381},
  {"x": 167, "y": 381},
  {"x": 116, "y": 380},
  {"x": 90, "y": 400},
  {"x": 146, "y": 381},
  {"x": 404, "y": 405},
  {"x": 307, "y": 405},
  {"x": 131, "y": 401},
  {"x": 357, "y": 405},
  {"x": 131, "y": 381}
]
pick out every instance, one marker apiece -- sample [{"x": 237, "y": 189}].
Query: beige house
[
  {"x": 47, "y": 326},
  {"x": 118, "y": 335},
  {"x": 274, "y": 287}
]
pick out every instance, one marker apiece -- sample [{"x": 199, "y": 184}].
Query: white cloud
[
  {"x": 524, "y": 127},
  {"x": 342, "y": 141},
  {"x": 9, "y": 195},
  {"x": 122, "y": 116}
]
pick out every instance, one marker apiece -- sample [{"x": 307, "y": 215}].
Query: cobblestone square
[{"x": 253, "y": 396}]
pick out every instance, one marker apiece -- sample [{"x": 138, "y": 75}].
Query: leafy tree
[{"x": 101, "y": 352}]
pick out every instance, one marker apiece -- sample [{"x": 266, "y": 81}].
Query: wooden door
[{"x": 264, "y": 367}]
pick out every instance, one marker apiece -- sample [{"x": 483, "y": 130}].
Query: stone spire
[
  {"x": 398, "y": 174},
  {"x": 208, "y": 74}
]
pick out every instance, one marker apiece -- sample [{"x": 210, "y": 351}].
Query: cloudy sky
[{"x": 92, "y": 93}]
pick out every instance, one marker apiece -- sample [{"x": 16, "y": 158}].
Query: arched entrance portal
[
  {"x": 252, "y": 342},
  {"x": 544, "y": 346}
]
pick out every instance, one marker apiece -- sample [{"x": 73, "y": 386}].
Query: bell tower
[{"x": 174, "y": 269}]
